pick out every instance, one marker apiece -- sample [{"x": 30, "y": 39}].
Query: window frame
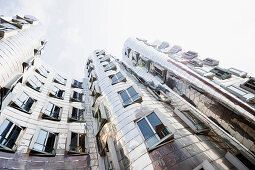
[
  {"x": 5, "y": 148},
  {"x": 58, "y": 81},
  {"x": 34, "y": 140},
  {"x": 118, "y": 80},
  {"x": 71, "y": 119},
  {"x": 76, "y": 99},
  {"x": 45, "y": 116},
  {"x": 76, "y": 86},
  {"x": 138, "y": 100},
  {"x": 55, "y": 96},
  {"x": 160, "y": 142},
  {"x": 31, "y": 86},
  {"x": 112, "y": 68},
  {"x": 41, "y": 71},
  {"x": 16, "y": 106},
  {"x": 69, "y": 140}
]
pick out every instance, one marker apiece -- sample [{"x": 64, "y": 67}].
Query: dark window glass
[
  {"x": 145, "y": 129},
  {"x": 45, "y": 142}
]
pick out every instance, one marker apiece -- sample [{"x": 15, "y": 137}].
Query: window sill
[
  {"x": 163, "y": 141},
  {"x": 40, "y": 153},
  {"x": 6, "y": 149},
  {"x": 20, "y": 109},
  {"x": 49, "y": 118},
  {"x": 51, "y": 95},
  {"x": 76, "y": 153}
]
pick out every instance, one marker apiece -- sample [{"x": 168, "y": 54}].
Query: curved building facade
[{"x": 43, "y": 116}]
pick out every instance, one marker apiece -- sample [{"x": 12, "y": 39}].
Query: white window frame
[
  {"x": 42, "y": 71},
  {"x": 160, "y": 142},
  {"x": 2, "y": 119},
  {"x": 34, "y": 139},
  {"x": 68, "y": 142},
  {"x": 31, "y": 86},
  {"x": 55, "y": 96},
  {"x": 132, "y": 101},
  {"x": 45, "y": 116},
  {"x": 18, "y": 107},
  {"x": 73, "y": 119},
  {"x": 58, "y": 79},
  {"x": 118, "y": 80}
]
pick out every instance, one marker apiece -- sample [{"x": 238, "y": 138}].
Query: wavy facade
[
  {"x": 143, "y": 123},
  {"x": 43, "y": 116}
]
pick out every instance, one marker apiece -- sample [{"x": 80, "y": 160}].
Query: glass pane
[
  {"x": 131, "y": 91},
  {"x": 152, "y": 140},
  {"x": 23, "y": 97},
  {"x": 157, "y": 125},
  {"x": 55, "y": 112},
  {"x": 41, "y": 137},
  {"x": 50, "y": 143},
  {"x": 145, "y": 128},
  {"x": 74, "y": 142},
  {"x": 124, "y": 96},
  {"x": 28, "y": 104},
  {"x": 10, "y": 141},
  {"x": 4, "y": 129},
  {"x": 81, "y": 143}
]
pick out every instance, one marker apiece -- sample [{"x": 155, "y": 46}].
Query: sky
[{"x": 224, "y": 30}]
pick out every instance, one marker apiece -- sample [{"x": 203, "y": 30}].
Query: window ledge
[
  {"x": 6, "y": 149},
  {"x": 44, "y": 116},
  {"x": 20, "y": 109},
  {"x": 40, "y": 153},
  {"x": 167, "y": 139}
]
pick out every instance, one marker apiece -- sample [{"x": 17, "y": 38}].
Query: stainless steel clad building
[
  {"x": 152, "y": 111},
  {"x": 42, "y": 121}
]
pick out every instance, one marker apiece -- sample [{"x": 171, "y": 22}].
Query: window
[
  {"x": 221, "y": 73},
  {"x": 175, "y": 49},
  {"x": 210, "y": 62},
  {"x": 105, "y": 58},
  {"x": 77, "y": 97},
  {"x": 129, "y": 96},
  {"x": 59, "y": 79},
  {"x": 110, "y": 66},
  {"x": 194, "y": 122},
  {"x": 57, "y": 93},
  {"x": 249, "y": 85},
  {"x": 153, "y": 130},
  {"x": 159, "y": 73},
  {"x": 43, "y": 142},
  {"x": 144, "y": 62},
  {"x": 42, "y": 71},
  {"x": 102, "y": 117},
  {"x": 92, "y": 76},
  {"x": 7, "y": 29},
  {"x": 76, "y": 143},
  {"x": 34, "y": 83},
  {"x": 77, "y": 84},
  {"x": 77, "y": 114},
  {"x": 9, "y": 135},
  {"x": 240, "y": 161},
  {"x": 117, "y": 78},
  {"x": 101, "y": 52},
  {"x": 190, "y": 55},
  {"x": 52, "y": 112},
  {"x": 23, "y": 103}
]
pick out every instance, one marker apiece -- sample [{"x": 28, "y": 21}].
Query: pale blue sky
[{"x": 218, "y": 29}]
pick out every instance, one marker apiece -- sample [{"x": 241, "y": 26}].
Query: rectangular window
[
  {"x": 77, "y": 84},
  {"x": 34, "y": 83},
  {"x": 77, "y": 114},
  {"x": 159, "y": 73},
  {"x": 129, "y": 96},
  {"x": 77, "y": 96},
  {"x": 210, "y": 62},
  {"x": 23, "y": 102},
  {"x": 42, "y": 71},
  {"x": 194, "y": 122},
  {"x": 117, "y": 78},
  {"x": 57, "y": 93},
  {"x": 249, "y": 85},
  {"x": 9, "y": 134},
  {"x": 59, "y": 79},
  {"x": 110, "y": 66},
  {"x": 105, "y": 58},
  {"x": 52, "y": 112},
  {"x": 45, "y": 142},
  {"x": 152, "y": 129},
  {"x": 221, "y": 73},
  {"x": 77, "y": 143}
]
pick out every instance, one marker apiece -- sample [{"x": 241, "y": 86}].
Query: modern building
[
  {"x": 157, "y": 108},
  {"x": 153, "y": 111},
  {"x": 43, "y": 117}
]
